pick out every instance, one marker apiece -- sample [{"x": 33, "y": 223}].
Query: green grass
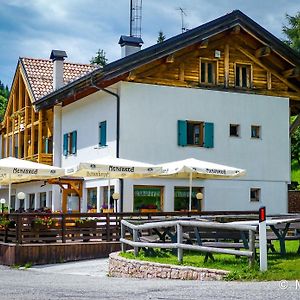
[
  {"x": 279, "y": 268},
  {"x": 295, "y": 172}
]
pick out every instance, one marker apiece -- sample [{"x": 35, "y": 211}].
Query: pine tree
[
  {"x": 292, "y": 31},
  {"x": 4, "y": 94},
  {"x": 161, "y": 37},
  {"x": 100, "y": 58}
]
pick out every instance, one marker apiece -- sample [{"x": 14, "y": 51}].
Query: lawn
[
  {"x": 287, "y": 268},
  {"x": 295, "y": 172}
]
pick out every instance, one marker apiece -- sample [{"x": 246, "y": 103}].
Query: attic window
[
  {"x": 208, "y": 71},
  {"x": 243, "y": 75}
]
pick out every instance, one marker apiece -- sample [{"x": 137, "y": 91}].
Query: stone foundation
[{"x": 122, "y": 267}]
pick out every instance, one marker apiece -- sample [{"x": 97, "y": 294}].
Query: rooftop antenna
[
  {"x": 183, "y": 13},
  {"x": 135, "y": 18}
]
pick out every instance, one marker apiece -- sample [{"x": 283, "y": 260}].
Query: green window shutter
[
  {"x": 74, "y": 142},
  {"x": 102, "y": 132},
  {"x": 182, "y": 133},
  {"x": 46, "y": 145},
  {"x": 208, "y": 135},
  {"x": 65, "y": 144}
]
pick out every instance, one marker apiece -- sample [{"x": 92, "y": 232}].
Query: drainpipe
[{"x": 118, "y": 134}]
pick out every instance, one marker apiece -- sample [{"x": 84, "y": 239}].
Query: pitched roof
[
  {"x": 118, "y": 68},
  {"x": 39, "y": 73}
]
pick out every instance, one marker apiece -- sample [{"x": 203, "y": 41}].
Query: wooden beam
[
  {"x": 203, "y": 44},
  {"x": 236, "y": 29},
  {"x": 153, "y": 70},
  {"x": 269, "y": 80},
  {"x": 275, "y": 73},
  {"x": 20, "y": 92},
  {"x": 40, "y": 135},
  {"x": 226, "y": 65},
  {"x": 170, "y": 59},
  {"x": 181, "y": 72},
  {"x": 263, "y": 51},
  {"x": 32, "y": 134},
  {"x": 292, "y": 73},
  {"x": 131, "y": 76},
  {"x": 295, "y": 124},
  {"x": 25, "y": 125}
]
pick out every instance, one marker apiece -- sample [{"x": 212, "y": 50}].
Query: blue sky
[{"x": 32, "y": 28}]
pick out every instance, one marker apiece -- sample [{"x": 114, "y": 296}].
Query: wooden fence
[{"x": 175, "y": 231}]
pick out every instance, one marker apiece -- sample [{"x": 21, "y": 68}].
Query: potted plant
[
  {"x": 105, "y": 209},
  {"x": 148, "y": 208},
  {"x": 86, "y": 223},
  {"x": 41, "y": 223}
]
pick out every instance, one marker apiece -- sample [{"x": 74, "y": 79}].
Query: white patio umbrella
[
  {"x": 194, "y": 168},
  {"x": 112, "y": 168},
  {"x": 13, "y": 170}
]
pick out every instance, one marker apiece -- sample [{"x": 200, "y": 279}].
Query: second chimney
[
  {"x": 130, "y": 45},
  {"x": 58, "y": 57}
]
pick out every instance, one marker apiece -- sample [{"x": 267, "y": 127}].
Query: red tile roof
[{"x": 39, "y": 74}]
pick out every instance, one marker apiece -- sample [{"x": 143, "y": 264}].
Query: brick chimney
[{"x": 58, "y": 57}]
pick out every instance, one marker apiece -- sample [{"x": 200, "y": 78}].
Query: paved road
[{"x": 88, "y": 280}]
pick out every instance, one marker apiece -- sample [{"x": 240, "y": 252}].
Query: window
[
  {"x": 147, "y": 197},
  {"x": 48, "y": 144},
  {"x": 234, "y": 130},
  {"x": 254, "y": 195},
  {"x": 181, "y": 198},
  {"x": 43, "y": 199},
  {"x": 91, "y": 198},
  {"x": 208, "y": 71},
  {"x": 70, "y": 143},
  {"x": 31, "y": 201},
  {"x": 195, "y": 133},
  {"x": 255, "y": 131},
  {"x": 102, "y": 134},
  {"x": 243, "y": 75}
]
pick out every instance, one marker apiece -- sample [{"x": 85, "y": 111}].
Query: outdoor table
[{"x": 278, "y": 231}]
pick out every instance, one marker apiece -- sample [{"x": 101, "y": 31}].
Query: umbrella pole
[
  {"x": 9, "y": 197},
  {"x": 108, "y": 194},
  {"x": 190, "y": 194}
]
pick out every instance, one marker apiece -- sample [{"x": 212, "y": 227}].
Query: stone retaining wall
[{"x": 122, "y": 267}]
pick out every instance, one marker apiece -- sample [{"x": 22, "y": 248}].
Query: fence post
[
  {"x": 135, "y": 239},
  {"x": 252, "y": 247},
  {"x": 19, "y": 226},
  {"x": 179, "y": 241},
  {"x": 63, "y": 228},
  {"x": 107, "y": 227},
  {"x": 123, "y": 237}
]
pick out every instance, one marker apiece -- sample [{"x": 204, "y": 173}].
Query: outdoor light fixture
[
  {"x": 2, "y": 201},
  {"x": 116, "y": 197},
  {"x": 199, "y": 196},
  {"x": 21, "y": 196}
]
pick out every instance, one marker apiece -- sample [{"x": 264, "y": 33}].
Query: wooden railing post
[
  {"x": 63, "y": 228},
  {"x": 123, "y": 231},
  {"x": 19, "y": 225},
  {"x": 135, "y": 239},
  {"x": 252, "y": 247},
  {"x": 179, "y": 241},
  {"x": 108, "y": 228}
]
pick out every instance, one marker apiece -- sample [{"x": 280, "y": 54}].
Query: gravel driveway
[{"x": 88, "y": 280}]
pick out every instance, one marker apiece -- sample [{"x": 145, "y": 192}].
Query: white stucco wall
[
  {"x": 149, "y": 116},
  {"x": 84, "y": 116}
]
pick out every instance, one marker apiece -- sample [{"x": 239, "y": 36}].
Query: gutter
[{"x": 117, "y": 133}]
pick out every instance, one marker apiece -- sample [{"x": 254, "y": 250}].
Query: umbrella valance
[
  {"x": 199, "y": 169},
  {"x": 111, "y": 167},
  {"x": 18, "y": 170}
]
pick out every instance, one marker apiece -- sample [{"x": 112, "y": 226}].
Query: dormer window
[
  {"x": 208, "y": 71},
  {"x": 243, "y": 75}
]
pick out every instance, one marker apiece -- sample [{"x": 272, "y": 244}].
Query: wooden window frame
[
  {"x": 214, "y": 62},
  {"x": 257, "y": 197},
  {"x": 238, "y": 130},
  {"x": 249, "y": 83},
  {"x": 258, "y": 130},
  {"x": 201, "y": 133}
]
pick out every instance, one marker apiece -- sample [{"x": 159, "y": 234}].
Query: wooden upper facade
[
  {"x": 26, "y": 133},
  {"x": 231, "y": 53}
]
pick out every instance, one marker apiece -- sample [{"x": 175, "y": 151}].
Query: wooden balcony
[{"x": 43, "y": 158}]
